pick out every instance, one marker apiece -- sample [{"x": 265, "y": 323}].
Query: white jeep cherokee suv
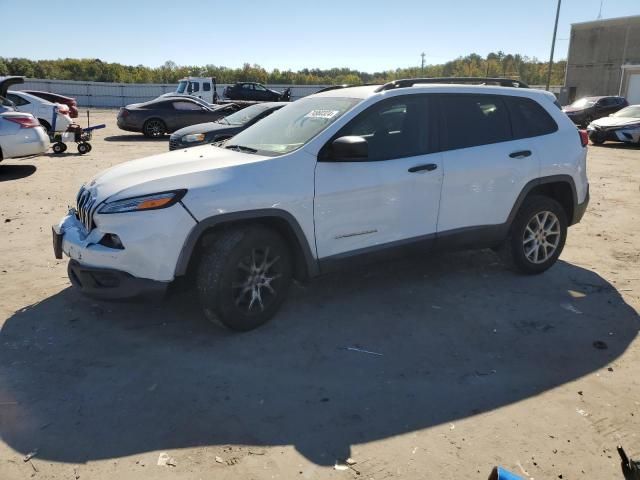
[{"x": 343, "y": 175}]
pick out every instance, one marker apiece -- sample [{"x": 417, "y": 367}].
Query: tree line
[{"x": 498, "y": 64}]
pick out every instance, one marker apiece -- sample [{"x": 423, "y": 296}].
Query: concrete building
[{"x": 604, "y": 59}]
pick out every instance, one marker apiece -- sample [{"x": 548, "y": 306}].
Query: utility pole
[
  {"x": 422, "y": 68},
  {"x": 600, "y": 11},
  {"x": 553, "y": 45}
]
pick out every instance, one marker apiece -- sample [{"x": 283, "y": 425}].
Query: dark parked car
[
  {"x": 166, "y": 115},
  {"x": 255, "y": 91},
  {"x": 224, "y": 128},
  {"x": 56, "y": 98},
  {"x": 587, "y": 109}
]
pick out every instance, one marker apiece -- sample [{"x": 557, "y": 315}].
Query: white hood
[
  {"x": 204, "y": 165},
  {"x": 615, "y": 121}
]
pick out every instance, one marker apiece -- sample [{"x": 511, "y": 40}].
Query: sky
[{"x": 368, "y": 35}]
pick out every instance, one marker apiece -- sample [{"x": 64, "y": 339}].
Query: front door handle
[
  {"x": 428, "y": 167},
  {"x": 521, "y": 154}
]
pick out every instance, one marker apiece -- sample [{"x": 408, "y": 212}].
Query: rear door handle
[
  {"x": 428, "y": 167},
  {"x": 521, "y": 154}
]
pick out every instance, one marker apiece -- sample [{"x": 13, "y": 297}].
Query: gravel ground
[{"x": 478, "y": 366}]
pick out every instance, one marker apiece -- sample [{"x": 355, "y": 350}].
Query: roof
[
  {"x": 371, "y": 90},
  {"x": 608, "y": 22}
]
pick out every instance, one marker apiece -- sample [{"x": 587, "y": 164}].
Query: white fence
[{"x": 105, "y": 94}]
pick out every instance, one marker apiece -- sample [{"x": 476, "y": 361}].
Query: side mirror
[{"x": 349, "y": 149}]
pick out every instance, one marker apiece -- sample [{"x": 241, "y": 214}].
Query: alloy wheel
[
  {"x": 541, "y": 237},
  {"x": 256, "y": 281},
  {"x": 154, "y": 128}
]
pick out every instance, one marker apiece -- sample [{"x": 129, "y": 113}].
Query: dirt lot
[{"x": 478, "y": 366}]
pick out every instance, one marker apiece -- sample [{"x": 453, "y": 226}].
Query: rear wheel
[
  {"x": 154, "y": 128},
  {"x": 83, "y": 148},
  {"x": 537, "y": 236},
  {"x": 243, "y": 277}
]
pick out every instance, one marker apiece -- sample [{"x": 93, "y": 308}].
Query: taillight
[
  {"x": 24, "y": 122},
  {"x": 123, "y": 112},
  {"x": 584, "y": 137}
]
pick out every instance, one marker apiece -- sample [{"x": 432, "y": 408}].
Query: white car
[
  {"x": 21, "y": 135},
  {"x": 42, "y": 110},
  {"x": 622, "y": 126},
  {"x": 345, "y": 175}
]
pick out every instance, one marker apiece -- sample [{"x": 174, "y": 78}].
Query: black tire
[
  {"x": 596, "y": 139},
  {"x": 45, "y": 124},
  {"x": 83, "y": 148},
  {"x": 88, "y": 146},
  {"x": 59, "y": 147},
  {"x": 154, "y": 128},
  {"x": 227, "y": 280},
  {"x": 518, "y": 250}
]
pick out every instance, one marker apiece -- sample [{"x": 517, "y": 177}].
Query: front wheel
[
  {"x": 59, "y": 147},
  {"x": 243, "y": 277},
  {"x": 537, "y": 236}
]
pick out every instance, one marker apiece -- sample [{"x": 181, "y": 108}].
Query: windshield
[
  {"x": 583, "y": 102},
  {"x": 182, "y": 86},
  {"x": 630, "y": 112},
  {"x": 245, "y": 115},
  {"x": 293, "y": 126}
]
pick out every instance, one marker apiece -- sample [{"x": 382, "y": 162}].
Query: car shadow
[
  {"x": 447, "y": 339},
  {"x": 617, "y": 145},
  {"x": 135, "y": 138},
  {"x": 15, "y": 172}
]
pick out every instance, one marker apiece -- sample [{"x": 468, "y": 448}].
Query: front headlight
[
  {"x": 196, "y": 137},
  {"x": 145, "y": 202}
]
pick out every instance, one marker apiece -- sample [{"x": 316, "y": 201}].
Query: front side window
[
  {"x": 194, "y": 87},
  {"x": 528, "y": 118},
  {"x": 260, "y": 88},
  {"x": 473, "y": 120},
  {"x": 294, "y": 125},
  {"x": 393, "y": 128}
]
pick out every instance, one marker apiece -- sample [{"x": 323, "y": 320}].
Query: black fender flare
[
  {"x": 194, "y": 236},
  {"x": 563, "y": 178}
]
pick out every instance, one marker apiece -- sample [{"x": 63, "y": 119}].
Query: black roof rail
[{"x": 410, "y": 82}]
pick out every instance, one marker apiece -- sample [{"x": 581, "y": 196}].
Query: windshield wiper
[{"x": 241, "y": 148}]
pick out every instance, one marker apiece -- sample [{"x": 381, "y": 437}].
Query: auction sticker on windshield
[{"x": 322, "y": 114}]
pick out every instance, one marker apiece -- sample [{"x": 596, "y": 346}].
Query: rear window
[
  {"x": 528, "y": 118},
  {"x": 473, "y": 120}
]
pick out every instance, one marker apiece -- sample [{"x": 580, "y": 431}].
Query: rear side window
[
  {"x": 19, "y": 101},
  {"x": 473, "y": 120},
  {"x": 206, "y": 86},
  {"x": 528, "y": 118}
]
